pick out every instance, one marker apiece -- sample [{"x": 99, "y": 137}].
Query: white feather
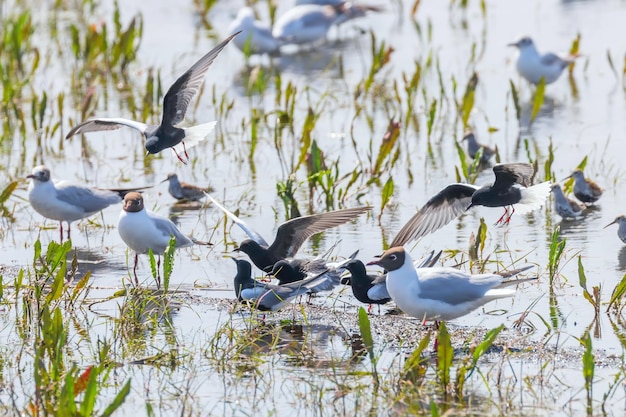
[
  {"x": 193, "y": 136},
  {"x": 533, "y": 197}
]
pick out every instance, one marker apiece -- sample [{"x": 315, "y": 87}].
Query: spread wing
[
  {"x": 104, "y": 123},
  {"x": 251, "y": 233},
  {"x": 179, "y": 95},
  {"x": 440, "y": 210},
  {"x": 292, "y": 234},
  {"x": 509, "y": 174}
]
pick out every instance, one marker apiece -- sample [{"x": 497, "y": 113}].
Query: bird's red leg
[
  {"x": 436, "y": 344},
  {"x": 369, "y": 309},
  {"x": 185, "y": 149},
  {"x": 159, "y": 271},
  {"x": 178, "y": 156},
  {"x": 501, "y": 219},
  {"x": 135, "y": 269},
  {"x": 69, "y": 230},
  {"x": 508, "y": 220},
  {"x": 61, "y": 230}
]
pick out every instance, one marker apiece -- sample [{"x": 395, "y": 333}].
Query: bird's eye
[{"x": 393, "y": 257}]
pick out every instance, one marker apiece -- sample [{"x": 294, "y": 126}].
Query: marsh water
[{"x": 251, "y": 152}]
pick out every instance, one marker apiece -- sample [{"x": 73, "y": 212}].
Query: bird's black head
[
  {"x": 281, "y": 268},
  {"x": 243, "y": 267},
  {"x": 154, "y": 145},
  {"x": 243, "y": 279},
  {"x": 479, "y": 198},
  {"x": 248, "y": 247},
  {"x": 356, "y": 267}
]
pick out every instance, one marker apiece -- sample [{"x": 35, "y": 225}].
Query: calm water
[{"x": 580, "y": 118}]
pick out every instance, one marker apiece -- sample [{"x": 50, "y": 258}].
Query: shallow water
[{"x": 582, "y": 117}]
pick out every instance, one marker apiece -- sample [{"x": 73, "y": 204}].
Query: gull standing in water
[
  {"x": 66, "y": 201},
  {"x": 511, "y": 188},
  {"x": 309, "y": 23},
  {"x": 533, "y": 66},
  {"x": 372, "y": 289},
  {"x": 255, "y": 37},
  {"x": 142, "y": 230},
  {"x": 440, "y": 293},
  {"x": 175, "y": 103}
]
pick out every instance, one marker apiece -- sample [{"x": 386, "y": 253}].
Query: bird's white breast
[{"x": 140, "y": 233}]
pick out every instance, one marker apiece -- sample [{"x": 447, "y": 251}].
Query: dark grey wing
[
  {"x": 454, "y": 286},
  {"x": 106, "y": 123},
  {"x": 123, "y": 191},
  {"x": 179, "y": 95},
  {"x": 292, "y": 234},
  {"x": 509, "y": 174},
  {"x": 324, "y": 281},
  {"x": 440, "y": 210}
]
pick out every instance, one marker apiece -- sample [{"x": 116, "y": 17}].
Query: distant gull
[
  {"x": 268, "y": 297},
  {"x": 142, "y": 230},
  {"x": 310, "y": 23},
  {"x": 289, "y": 236},
  {"x": 621, "y": 230},
  {"x": 175, "y": 103},
  {"x": 511, "y": 188},
  {"x": 533, "y": 66},
  {"x": 473, "y": 147},
  {"x": 441, "y": 293},
  {"x": 184, "y": 191},
  {"x": 255, "y": 37},
  {"x": 68, "y": 201},
  {"x": 585, "y": 190},
  {"x": 565, "y": 207}
]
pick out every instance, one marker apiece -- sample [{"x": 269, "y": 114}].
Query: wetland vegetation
[{"x": 375, "y": 116}]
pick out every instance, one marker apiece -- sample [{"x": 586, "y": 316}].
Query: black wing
[
  {"x": 509, "y": 174},
  {"x": 440, "y": 210},
  {"x": 292, "y": 234},
  {"x": 179, "y": 95}
]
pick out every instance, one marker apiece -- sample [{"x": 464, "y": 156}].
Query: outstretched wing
[
  {"x": 440, "y": 210},
  {"x": 509, "y": 174},
  {"x": 179, "y": 95},
  {"x": 96, "y": 125},
  {"x": 243, "y": 225},
  {"x": 292, "y": 234}
]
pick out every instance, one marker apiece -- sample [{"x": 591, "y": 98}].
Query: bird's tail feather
[
  {"x": 533, "y": 197},
  {"x": 193, "y": 136}
]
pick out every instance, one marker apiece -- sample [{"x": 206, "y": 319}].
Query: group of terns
[{"x": 424, "y": 291}]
